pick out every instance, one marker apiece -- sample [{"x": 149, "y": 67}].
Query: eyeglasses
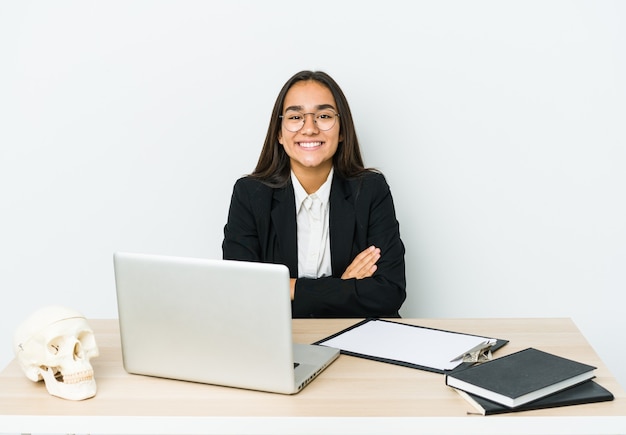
[{"x": 324, "y": 119}]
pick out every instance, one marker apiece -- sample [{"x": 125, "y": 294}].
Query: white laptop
[{"x": 212, "y": 321}]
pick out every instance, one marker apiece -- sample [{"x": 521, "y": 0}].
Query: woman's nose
[{"x": 310, "y": 126}]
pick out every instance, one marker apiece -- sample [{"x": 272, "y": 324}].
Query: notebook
[{"x": 218, "y": 322}]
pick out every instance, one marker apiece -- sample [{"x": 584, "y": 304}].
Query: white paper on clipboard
[{"x": 421, "y": 346}]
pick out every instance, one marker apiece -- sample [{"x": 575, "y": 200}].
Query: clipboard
[{"x": 418, "y": 347}]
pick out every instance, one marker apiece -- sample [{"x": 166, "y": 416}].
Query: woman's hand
[
  {"x": 292, "y": 287},
  {"x": 363, "y": 265}
]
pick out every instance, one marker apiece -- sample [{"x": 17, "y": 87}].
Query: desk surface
[{"x": 353, "y": 395}]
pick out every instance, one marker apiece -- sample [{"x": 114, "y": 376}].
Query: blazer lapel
[
  {"x": 284, "y": 226},
  {"x": 342, "y": 223}
]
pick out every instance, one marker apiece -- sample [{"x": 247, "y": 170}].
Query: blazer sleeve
[
  {"x": 378, "y": 296},
  {"x": 241, "y": 232}
]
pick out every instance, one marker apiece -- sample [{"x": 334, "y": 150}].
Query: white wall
[{"x": 500, "y": 127}]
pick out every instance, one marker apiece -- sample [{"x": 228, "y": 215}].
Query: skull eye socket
[
  {"x": 54, "y": 346},
  {"x": 87, "y": 340}
]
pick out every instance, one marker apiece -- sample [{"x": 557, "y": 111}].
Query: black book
[
  {"x": 587, "y": 392},
  {"x": 521, "y": 377}
]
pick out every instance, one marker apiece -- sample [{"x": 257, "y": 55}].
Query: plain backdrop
[{"x": 500, "y": 127}]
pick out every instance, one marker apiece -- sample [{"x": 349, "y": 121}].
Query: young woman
[{"x": 312, "y": 205}]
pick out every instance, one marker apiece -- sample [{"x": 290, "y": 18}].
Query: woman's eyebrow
[
  {"x": 326, "y": 106},
  {"x": 318, "y": 107},
  {"x": 296, "y": 108}
]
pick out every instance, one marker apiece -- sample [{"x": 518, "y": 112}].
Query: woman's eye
[{"x": 325, "y": 115}]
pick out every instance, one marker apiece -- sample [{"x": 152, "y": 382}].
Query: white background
[{"x": 499, "y": 125}]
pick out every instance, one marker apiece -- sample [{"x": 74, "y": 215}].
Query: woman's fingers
[{"x": 363, "y": 265}]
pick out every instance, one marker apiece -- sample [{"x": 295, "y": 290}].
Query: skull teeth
[{"x": 76, "y": 378}]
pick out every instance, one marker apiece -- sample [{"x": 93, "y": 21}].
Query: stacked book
[{"x": 528, "y": 379}]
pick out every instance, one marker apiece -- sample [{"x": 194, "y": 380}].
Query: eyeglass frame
[{"x": 282, "y": 118}]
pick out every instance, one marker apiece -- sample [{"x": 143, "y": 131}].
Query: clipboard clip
[{"x": 479, "y": 353}]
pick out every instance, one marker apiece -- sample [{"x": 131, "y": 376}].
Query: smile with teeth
[{"x": 309, "y": 144}]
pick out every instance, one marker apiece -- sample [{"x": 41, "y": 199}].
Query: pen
[{"x": 480, "y": 346}]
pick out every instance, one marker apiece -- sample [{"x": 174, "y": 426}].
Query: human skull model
[{"x": 56, "y": 344}]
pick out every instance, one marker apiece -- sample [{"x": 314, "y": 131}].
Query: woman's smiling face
[{"x": 310, "y": 148}]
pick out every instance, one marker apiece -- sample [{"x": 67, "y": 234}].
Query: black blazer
[{"x": 262, "y": 227}]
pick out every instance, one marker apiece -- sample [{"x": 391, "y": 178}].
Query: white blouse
[{"x": 312, "y": 220}]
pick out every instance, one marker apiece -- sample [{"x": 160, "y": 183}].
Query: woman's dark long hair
[{"x": 273, "y": 167}]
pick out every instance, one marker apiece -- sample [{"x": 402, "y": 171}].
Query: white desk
[{"x": 352, "y": 396}]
